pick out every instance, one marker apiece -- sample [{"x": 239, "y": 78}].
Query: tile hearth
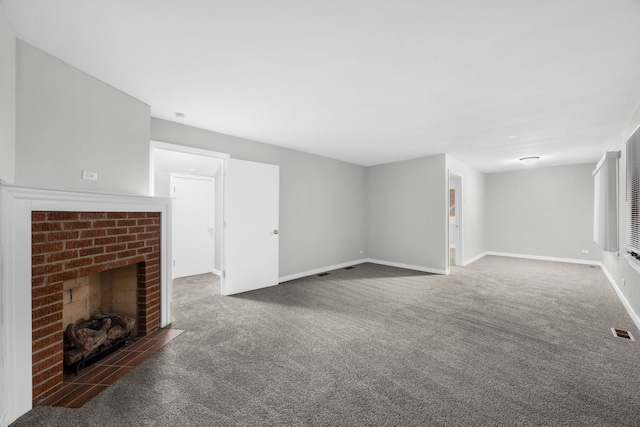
[{"x": 75, "y": 391}]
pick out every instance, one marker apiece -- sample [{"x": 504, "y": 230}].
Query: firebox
[{"x": 99, "y": 315}]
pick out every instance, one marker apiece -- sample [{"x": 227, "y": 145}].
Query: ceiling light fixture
[{"x": 529, "y": 160}]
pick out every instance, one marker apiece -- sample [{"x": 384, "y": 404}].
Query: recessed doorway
[{"x": 455, "y": 253}]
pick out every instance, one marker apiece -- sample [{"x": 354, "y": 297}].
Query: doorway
[
  {"x": 192, "y": 218},
  {"x": 195, "y": 166},
  {"x": 455, "y": 253},
  {"x": 246, "y": 212}
]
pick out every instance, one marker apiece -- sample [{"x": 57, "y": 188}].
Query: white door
[
  {"x": 251, "y": 233},
  {"x": 192, "y": 247}
]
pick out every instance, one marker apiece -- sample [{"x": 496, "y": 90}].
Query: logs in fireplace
[{"x": 88, "y": 341}]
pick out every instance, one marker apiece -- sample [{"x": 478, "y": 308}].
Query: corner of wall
[{"x": 7, "y": 161}]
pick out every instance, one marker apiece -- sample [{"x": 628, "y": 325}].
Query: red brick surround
[{"x": 68, "y": 245}]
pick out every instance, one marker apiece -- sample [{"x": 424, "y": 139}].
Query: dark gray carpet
[{"x": 501, "y": 342}]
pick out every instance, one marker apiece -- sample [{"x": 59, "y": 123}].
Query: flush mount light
[
  {"x": 530, "y": 159},
  {"x": 179, "y": 115}
]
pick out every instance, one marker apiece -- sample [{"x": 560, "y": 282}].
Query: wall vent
[
  {"x": 349, "y": 268},
  {"x": 323, "y": 274}
]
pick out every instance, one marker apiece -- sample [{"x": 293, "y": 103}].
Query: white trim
[
  {"x": 408, "y": 266},
  {"x": 217, "y": 272},
  {"x": 357, "y": 262},
  {"x": 15, "y": 222},
  {"x": 457, "y": 179},
  {"x": 319, "y": 270},
  {"x": 607, "y": 155},
  {"x": 186, "y": 149},
  {"x": 544, "y": 258},
  {"x": 475, "y": 258},
  {"x": 208, "y": 153},
  {"x": 634, "y": 316}
]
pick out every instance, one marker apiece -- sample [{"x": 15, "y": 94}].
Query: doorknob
[{"x": 275, "y": 231}]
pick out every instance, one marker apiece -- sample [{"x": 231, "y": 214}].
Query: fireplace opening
[
  {"x": 69, "y": 245},
  {"x": 99, "y": 315}
]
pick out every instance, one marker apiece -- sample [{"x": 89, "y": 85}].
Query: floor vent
[
  {"x": 323, "y": 274},
  {"x": 622, "y": 334},
  {"x": 349, "y": 268}
]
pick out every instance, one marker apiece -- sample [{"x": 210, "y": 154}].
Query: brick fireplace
[{"x": 69, "y": 245}]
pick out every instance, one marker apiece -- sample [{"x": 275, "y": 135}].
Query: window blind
[
  {"x": 633, "y": 191},
  {"x": 605, "y": 230}
]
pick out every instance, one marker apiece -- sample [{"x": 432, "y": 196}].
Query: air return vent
[
  {"x": 323, "y": 274},
  {"x": 349, "y": 268},
  {"x": 622, "y": 334}
]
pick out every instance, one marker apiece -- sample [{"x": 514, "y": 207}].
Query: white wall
[
  {"x": 68, "y": 121},
  {"x": 7, "y": 149},
  {"x": 618, "y": 267},
  {"x": 7, "y": 98},
  {"x": 322, "y": 201},
  {"x": 544, "y": 212},
  {"x": 474, "y": 194},
  {"x": 407, "y": 204}
]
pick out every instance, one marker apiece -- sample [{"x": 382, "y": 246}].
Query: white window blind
[
  {"x": 605, "y": 230},
  {"x": 633, "y": 191}
]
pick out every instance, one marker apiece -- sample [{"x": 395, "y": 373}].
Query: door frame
[
  {"x": 224, "y": 157},
  {"x": 459, "y": 220}
]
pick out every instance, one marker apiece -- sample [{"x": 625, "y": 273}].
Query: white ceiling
[{"x": 366, "y": 81}]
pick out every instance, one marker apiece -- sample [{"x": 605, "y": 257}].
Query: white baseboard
[
  {"x": 217, "y": 272},
  {"x": 634, "y": 316},
  {"x": 319, "y": 270},
  {"x": 544, "y": 258},
  {"x": 408, "y": 266},
  {"x": 474, "y": 259},
  {"x": 360, "y": 261}
]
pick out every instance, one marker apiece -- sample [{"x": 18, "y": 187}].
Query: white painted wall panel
[
  {"x": 407, "y": 204},
  {"x": 7, "y": 98},
  {"x": 7, "y": 153},
  {"x": 68, "y": 121},
  {"x": 542, "y": 212}
]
